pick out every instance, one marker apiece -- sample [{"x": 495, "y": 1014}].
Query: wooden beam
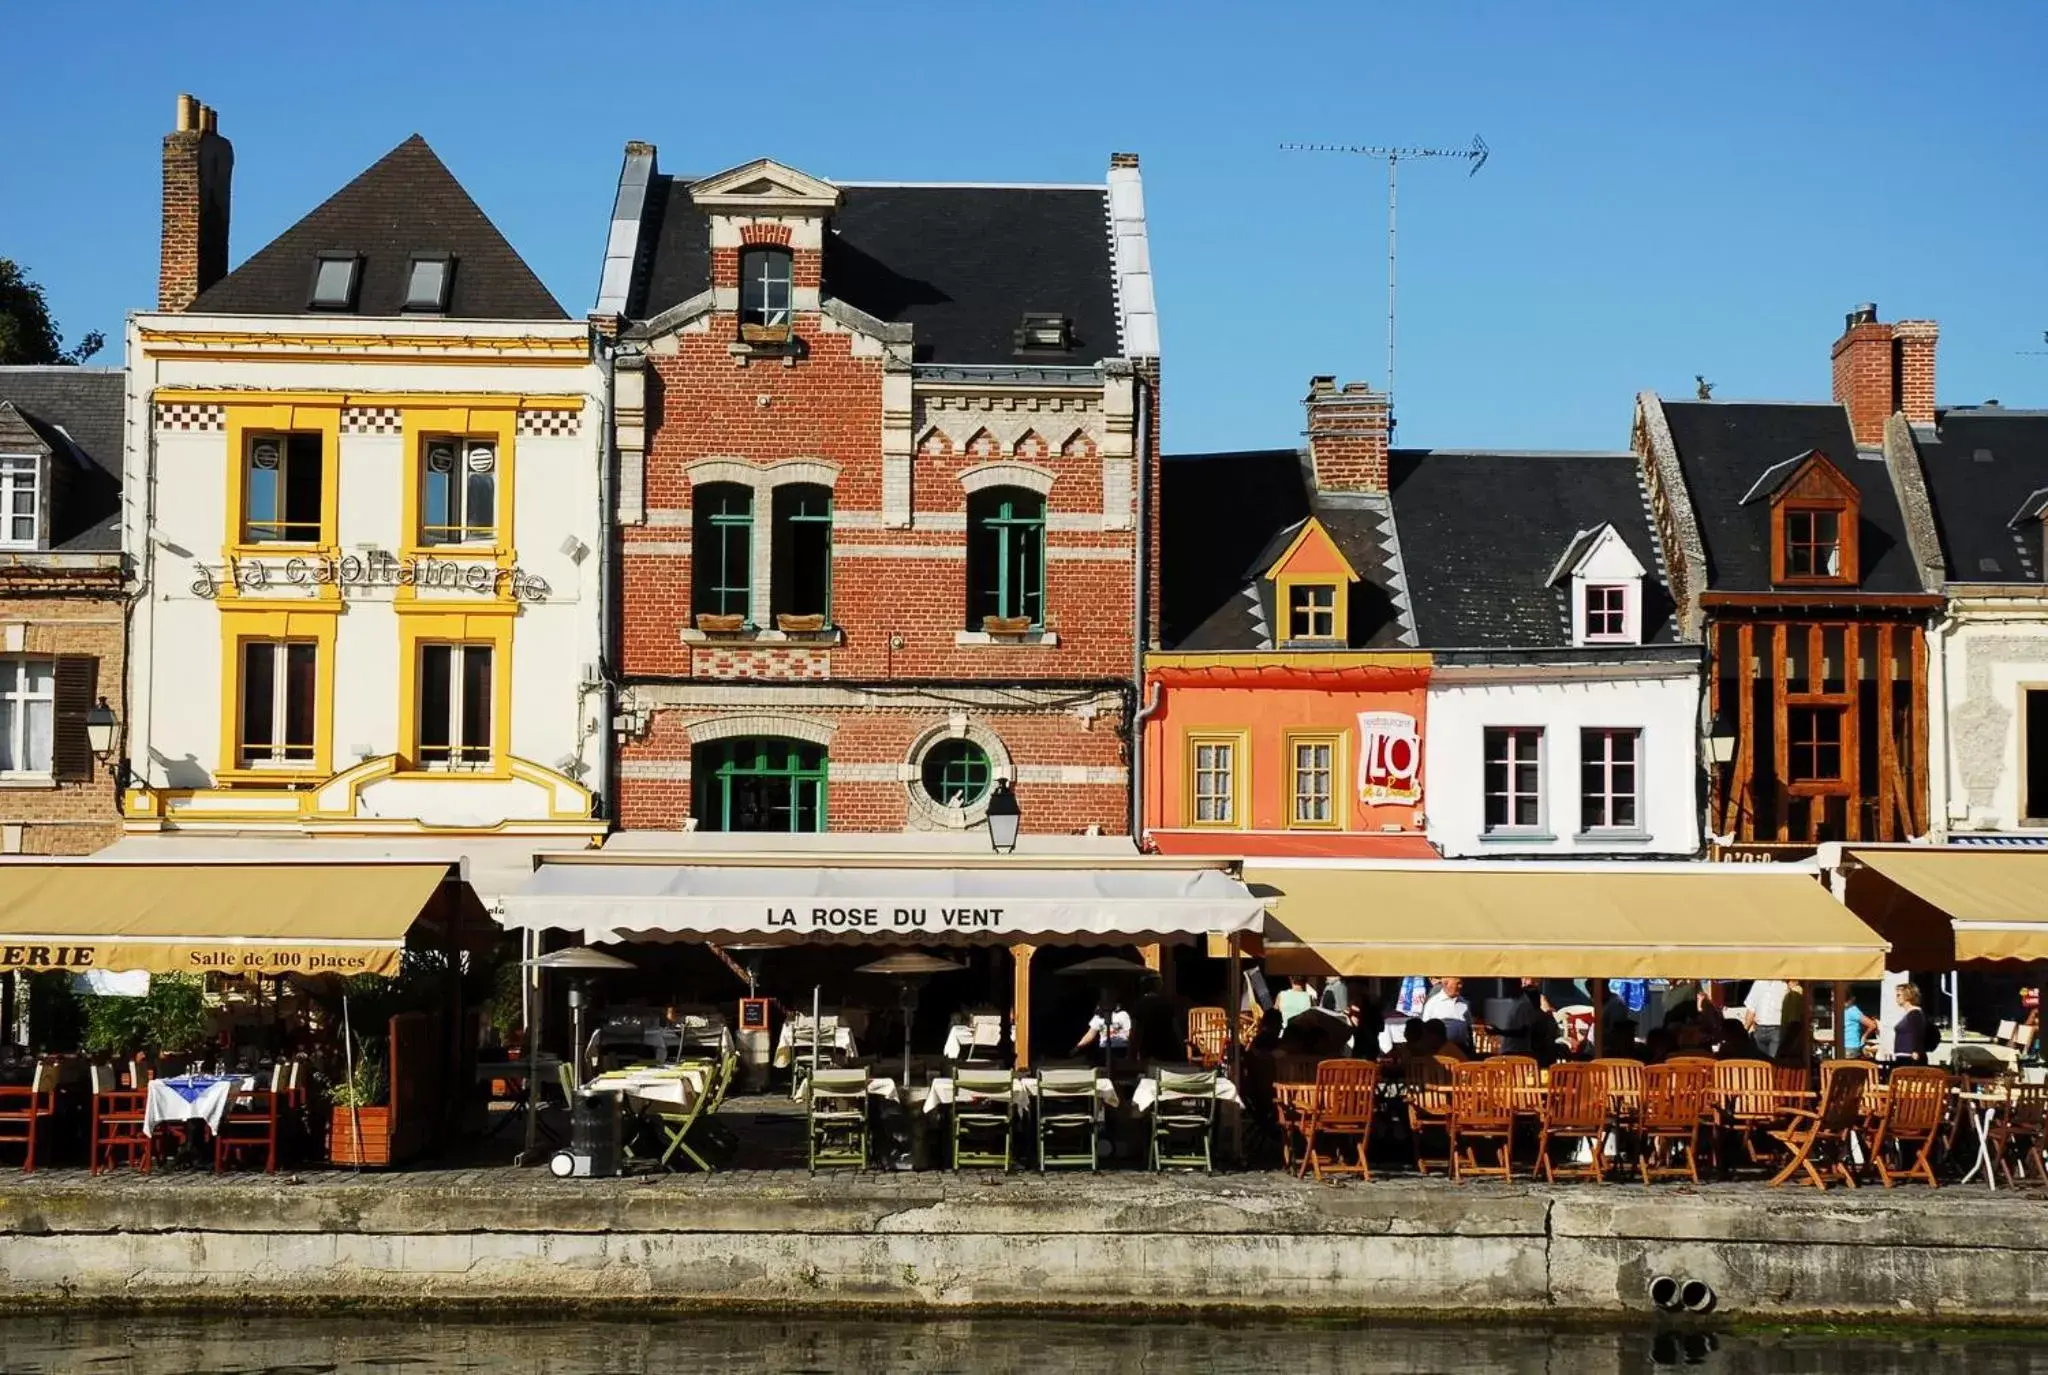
[
  {"x": 1887, "y": 739},
  {"x": 1020, "y": 1001},
  {"x": 1916, "y": 804},
  {"x": 1852, "y": 739},
  {"x": 1841, "y": 1016},
  {"x": 1745, "y": 747},
  {"x": 1781, "y": 801},
  {"x": 1816, "y": 650}
]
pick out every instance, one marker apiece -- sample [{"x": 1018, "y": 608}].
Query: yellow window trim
[
  {"x": 442, "y": 625},
  {"x": 1283, "y": 609},
  {"x": 1252, "y": 659},
  {"x": 1311, "y": 526},
  {"x": 237, "y": 624},
  {"x": 1340, "y": 774},
  {"x": 500, "y": 425},
  {"x": 319, "y": 418},
  {"x": 499, "y": 401},
  {"x": 1240, "y": 769}
]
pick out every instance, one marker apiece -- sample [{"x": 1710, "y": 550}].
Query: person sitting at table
[
  {"x": 1294, "y": 999},
  {"x": 1267, "y": 1037},
  {"x": 1109, "y": 1028},
  {"x": 1427, "y": 1038},
  {"x": 1659, "y": 1046},
  {"x": 1736, "y": 1043},
  {"x": 1910, "y": 1038}
]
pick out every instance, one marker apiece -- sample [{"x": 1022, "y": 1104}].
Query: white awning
[{"x": 893, "y": 902}]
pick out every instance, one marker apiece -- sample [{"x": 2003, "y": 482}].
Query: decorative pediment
[
  {"x": 1311, "y": 554},
  {"x": 1805, "y": 477},
  {"x": 1599, "y": 554},
  {"x": 765, "y": 187}
]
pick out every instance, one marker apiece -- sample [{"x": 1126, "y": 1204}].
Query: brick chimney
[
  {"x": 1881, "y": 368},
  {"x": 199, "y": 169},
  {"x": 1347, "y": 435}
]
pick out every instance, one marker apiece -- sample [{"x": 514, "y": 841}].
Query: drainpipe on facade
[
  {"x": 1140, "y": 588},
  {"x": 607, "y": 690}
]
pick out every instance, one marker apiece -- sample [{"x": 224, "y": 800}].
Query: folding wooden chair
[
  {"x": 1575, "y": 1108},
  {"x": 2018, "y": 1131},
  {"x": 1428, "y": 1091},
  {"x": 1184, "y": 1119},
  {"x": 1624, "y": 1098},
  {"x": 249, "y": 1128},
  {"x": 984, "y": 1104},
  {"x": 838, "y": 1120},
  {"x": 1347, "y": 1091},
  {"x": 1482, "y": 1112},
  {"x": 1208, "y": 1035},
  {"x": 25, "y": 1112},
  {"x": 1069, "y": 1107},
  {"x": 1746, "y": 1092},
  {"x": 118, "y": 1115},
  {"x": 1915, "y": 1115},
  {"x": 1825, "y": 1134},
  {"x": 1674, "y": 1108}
]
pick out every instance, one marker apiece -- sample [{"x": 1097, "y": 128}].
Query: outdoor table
[
  {"x": 1023, "y": 1090},
  {"x": 1981, "y": 1108},
  {"x": 192, "y": 1098},
  {"x": 1148, "y": 1091},
  {"x": 676, "y": 1085},
  {"x": 785, "y": 1045}
]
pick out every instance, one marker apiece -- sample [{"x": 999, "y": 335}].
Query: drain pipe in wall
[{"x": 1141, "y": 586}]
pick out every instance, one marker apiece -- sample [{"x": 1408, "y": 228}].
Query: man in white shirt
[
  {"x": 1110, "y": 1027},
  {"x": 1447, "y": 1005},
  {"x": 1763, "y": 1016}
]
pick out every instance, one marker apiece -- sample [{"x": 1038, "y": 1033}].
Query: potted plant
[
  {"x": 799, "y": 625},
  {"x": 359, "y": 1132},
  {"x": 721, "y": 624},
  {"x": 764, "y": 334},
  {"x": 1006, "y": 625}
]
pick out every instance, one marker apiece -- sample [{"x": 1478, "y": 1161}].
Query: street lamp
[
  {"x": 1003, "y": 818},
  {"x": 99, "y": 729}
]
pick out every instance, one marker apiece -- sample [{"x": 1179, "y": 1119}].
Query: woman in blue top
[{"x": 1856, "y": 1029}]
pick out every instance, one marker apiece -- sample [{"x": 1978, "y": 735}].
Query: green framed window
[
  {"x": 801, "y": 581},
  {"x": 956, "y": 773},
  {"x": 1005, "y": 556},
  {"x": 722, "y": 549},
  {"x": 759, "y": 783}
]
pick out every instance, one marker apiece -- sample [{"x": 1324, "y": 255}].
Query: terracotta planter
[
  {"x": 1006, "y": 625},
  {"x": 375, "y": 1125},
  {"x": 721, "y": 625},
  {"x": 799, "y": 625}
]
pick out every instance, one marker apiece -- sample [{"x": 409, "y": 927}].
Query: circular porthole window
[{"x": 956, "y": 773}]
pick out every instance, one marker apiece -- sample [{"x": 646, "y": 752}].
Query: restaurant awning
[
  {"x": 1941, "y": 907},
  {"x": 892, "y": 899},
  {"x": 1478, "y": 920},
  {"x": 244, "y": 918}
]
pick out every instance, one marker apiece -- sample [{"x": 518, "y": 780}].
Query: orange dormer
[
  {"x": 1815, "y": 514},
  {"x": 1311, "y": 589}
]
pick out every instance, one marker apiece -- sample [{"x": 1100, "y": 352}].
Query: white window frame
[
  {"x": 1514, "y": 759},
  {"x": 11, "y": 485},
  {"x": 1605, "y": 736},
  {"x": 1224, "y": 802},
  {"x": 1332, "y": 773},
  {"x": 1618, "y": 611},
  {"x": 469, "y": 533},
  {"x": 278, "y": 754},
  {"x": 20, "y": 697},
  {"x": 457, "y": 761}
]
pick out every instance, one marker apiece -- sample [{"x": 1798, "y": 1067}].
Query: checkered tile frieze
[
  {"x": 371, "y": 420},
  {"x": 190, "y": 415},
  {"x": 546, "y": 424}
]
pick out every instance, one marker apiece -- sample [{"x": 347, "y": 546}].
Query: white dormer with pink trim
[{"x": 1604, "y": 579}]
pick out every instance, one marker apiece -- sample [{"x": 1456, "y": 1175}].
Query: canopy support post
[
  {"x": 1599, "y": 1017},
  {"x": 1841, "y": 1018},
  {"x": 529, "y": 979},
  {"x": 1233, "y": 1042},
  {"x": 7, "y": 1008},
  {"x": 1020, "y": 1001}
]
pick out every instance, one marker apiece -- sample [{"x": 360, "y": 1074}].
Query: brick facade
[
  {"x": 198, "y": 168},
  {"x": 42, "y": 620}
]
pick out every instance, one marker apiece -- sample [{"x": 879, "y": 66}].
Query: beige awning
[
  {"x": 1671, "y": 921},
  {"x": 248, "y": 918},
  {"x": 1941, "y": 908}
]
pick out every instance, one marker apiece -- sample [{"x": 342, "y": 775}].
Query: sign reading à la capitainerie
[
  {"x": 370, "y": 570},
  {"x": 1389, "y": 757}
]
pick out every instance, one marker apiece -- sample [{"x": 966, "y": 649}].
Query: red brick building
[{"x": 885, "y": 465}]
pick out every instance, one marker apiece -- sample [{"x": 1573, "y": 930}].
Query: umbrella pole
[
  {"x": 817, "y": 1010},
  {"x": 530, "y": 1002},
  {"x": 348, "y": 1059}
]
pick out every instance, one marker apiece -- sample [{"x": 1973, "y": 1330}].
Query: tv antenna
[{"x": 1476, "y": 155}]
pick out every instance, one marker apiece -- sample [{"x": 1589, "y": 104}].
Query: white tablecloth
[
  {"x": 675, "y": 1087},
  {"x": 1023, "y": 1090},
  {"x": 192, "y": 1098},
  {"x": 1147, "y": 1093},
  {"x": 841, "y": 1040}
]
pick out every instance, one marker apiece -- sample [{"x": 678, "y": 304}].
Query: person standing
[
  {"x": 1910, "y": 1039},
  {"x": 1858, "y": 1029},
  {"x": 1294, "y": 1000},
  {"x": 1763, "y": 1016},
  {"x": 1448, "y": 1005}
]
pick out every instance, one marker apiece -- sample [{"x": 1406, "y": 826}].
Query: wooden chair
[
  {"x": 24, "y": 1111},
  {"x": 1624, "y": 1097},
  {"x": 836, "y": 1112},
  {"x": 1482, "y": 1112},
  {"x": 1184, "y": 1120},
  {"x": 1428, "y": 1091},
  {"x": 249, "y": 1128},
  {"x": 1915, "y": 1114},
  {"x": 1485, "y": 1040},
  {"x": 1824, "y": 1134},
  {"x": 1746, "y": 1093},
  {"x": 1575, "y": 1108},
  {"x": 1525, "y": 1079},
  {"x": 1675, "y": 1106},
  {"x": 1347, "y": 1091},
  {"x": 1208, "y": 1035},
  {"x": 118, "y": 1115},
  {"x": 2019, "y": 1131}
]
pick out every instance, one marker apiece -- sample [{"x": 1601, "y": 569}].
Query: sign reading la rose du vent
[
  {"x": 1389, "y": 757},
  {"x": 368, "y": 571}
]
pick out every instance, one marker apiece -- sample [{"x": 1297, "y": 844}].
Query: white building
[{"x": 362, "y": 497}]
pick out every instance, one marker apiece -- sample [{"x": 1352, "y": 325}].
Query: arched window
[
  {"x": 765, "y": 281},
  {"x": 722, "y": 549},
  {"x": 758, "y": 783},
  {"x": 1005, "y": 557},
  {"x": 800, "y": 583}
]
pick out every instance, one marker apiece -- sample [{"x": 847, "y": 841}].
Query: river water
[{"x": 156, "y": 1344}]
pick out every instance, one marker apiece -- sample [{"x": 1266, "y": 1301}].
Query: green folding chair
[
  {"x": 984, "y": 1105},
  {"x": 1068, "y": 1107},
  {"x": 722, "y": 1076},
  {"x": 1184, "y": 1120},
  {"x": 838, "y": 1113}
]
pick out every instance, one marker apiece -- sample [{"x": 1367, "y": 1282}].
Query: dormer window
[
  {"x": 427, "y": 279},
  {"x": 1813, "y": 543},
  {"x": 1606, "y": 612},
  {"x": 1045, "y": 332},
  {"x": 766, "y": 285},
  {"x": 1312, "y": 611},
  {"x": 334, "y": 281},
  {"x": 20, "y": 501},
  {"x": 1814, "y": 508}
]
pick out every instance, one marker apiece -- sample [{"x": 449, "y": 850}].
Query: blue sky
[{"x": 1674, "y": 189}]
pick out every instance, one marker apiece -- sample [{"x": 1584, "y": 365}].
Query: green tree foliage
[{"x": 27, "y": 333}]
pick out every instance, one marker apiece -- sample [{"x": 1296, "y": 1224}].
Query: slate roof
[
  {"x": 78, "y": 412},
  {"x": 1725, "y": 447},
  {"x": 1481, "y": 534},
  {"x": 406, "y": 202},
  {"x": 960, "y": 264},
  {"x": 1982, "y": 464},
  {"x": 1224, "y": 519}
]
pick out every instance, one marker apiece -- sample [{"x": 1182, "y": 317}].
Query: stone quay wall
[{"x": 1065, "y": 1243}]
